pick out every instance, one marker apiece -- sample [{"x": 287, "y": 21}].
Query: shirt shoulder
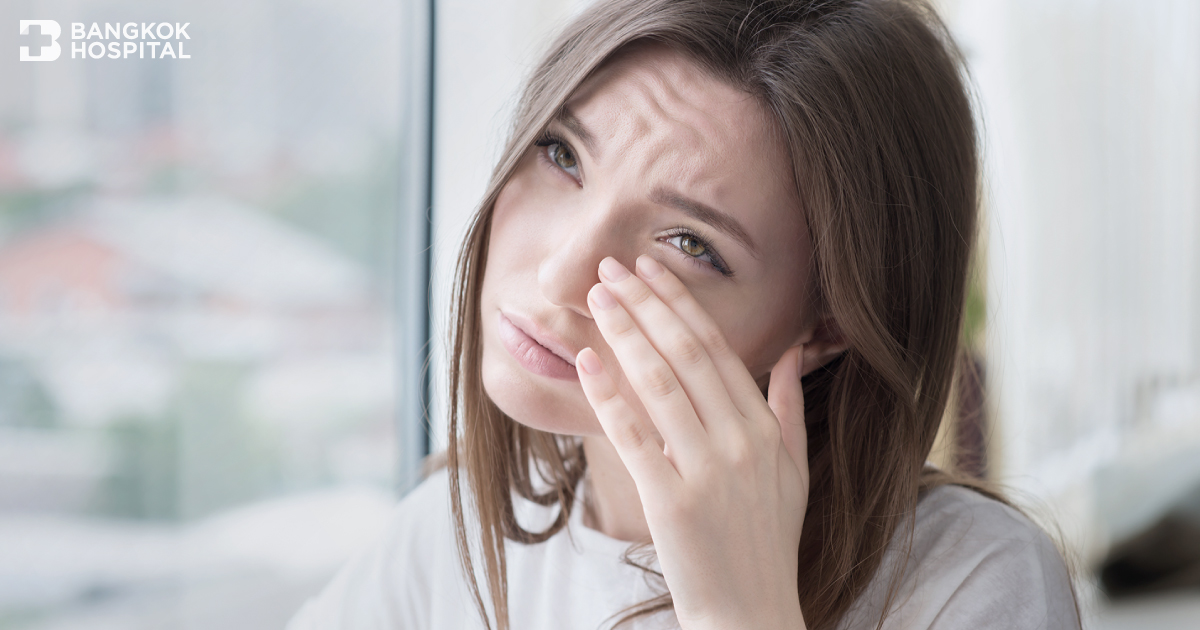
[
  {"x": 402, "y": 581},
  {"x": 971, "y": 562}
]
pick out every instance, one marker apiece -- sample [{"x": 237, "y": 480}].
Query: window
[{"x": 212, "y": 304}]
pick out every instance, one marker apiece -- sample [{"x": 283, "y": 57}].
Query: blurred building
[{"x": 196, "y": 311}]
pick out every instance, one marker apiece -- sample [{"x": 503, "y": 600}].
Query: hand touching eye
[{"x": 725, "y": 495}]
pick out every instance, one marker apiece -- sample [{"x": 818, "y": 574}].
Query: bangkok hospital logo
[{"x": 114, "y": 40}]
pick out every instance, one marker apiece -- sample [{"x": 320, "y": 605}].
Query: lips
[{"x": 535, "y": 350}]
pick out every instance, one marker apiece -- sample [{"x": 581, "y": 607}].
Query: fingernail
[
  {"x": 589, "y": 362},
  {"x": 602, "y": 298},
  {"x": 648, "y": 267},
  {"x": 613, "y": 270}
]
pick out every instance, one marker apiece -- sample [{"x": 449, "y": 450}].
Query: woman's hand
[{"x": 725, "y": 494}]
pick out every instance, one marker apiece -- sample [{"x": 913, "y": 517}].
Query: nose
[{"x": 570, "y": 267}]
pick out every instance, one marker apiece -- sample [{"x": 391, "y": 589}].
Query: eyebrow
[
  {"x": 706, "y": 214},
  {"x": 568, "y": 119},
  {"x": 665, "y": 197}
]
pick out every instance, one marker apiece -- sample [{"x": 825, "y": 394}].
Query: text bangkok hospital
[{"x": 144, "y": 40}]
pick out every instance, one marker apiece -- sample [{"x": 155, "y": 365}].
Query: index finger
[{"x": 738, "y": 381}]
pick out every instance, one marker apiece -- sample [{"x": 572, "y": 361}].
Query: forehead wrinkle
[
  {"x": 665, "y": 100},
  {"x": 705, "y": 122},
  {"x": 701, "y": 141},
  {"x": 658, "y": 138},
  {"x": 636, "y": 75}
]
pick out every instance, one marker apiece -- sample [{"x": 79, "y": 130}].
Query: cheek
[
  {"x": 524, "y": 196},
  {"x": 506, "y": 220},
  {"x": 507, "y": 203},
  {"x": 520, "y": 224},
  {"x": 510, "y": 258}
]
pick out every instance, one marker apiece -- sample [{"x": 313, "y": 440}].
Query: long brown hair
[{"x": 873, "y": 109}]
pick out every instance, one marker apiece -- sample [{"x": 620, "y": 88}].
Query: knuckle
[
  {"x": 713, "y": 339},
  {"x": 610, "y": 399},
  {"x": 660, "y": 382},
  {"x": 688, "y": 349},
  {"x": 639, "y": 294},
  {"x": 624, "y": 327},
  {"x": 632, "y": 435},
  {"x": 741, "y": 454}
]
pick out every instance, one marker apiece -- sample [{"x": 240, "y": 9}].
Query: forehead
[
  {"x": 666, "y": 121},
  {"x": 661, "y": 88}
]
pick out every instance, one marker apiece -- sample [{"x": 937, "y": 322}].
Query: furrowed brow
[{"x": 706, "y": 214}]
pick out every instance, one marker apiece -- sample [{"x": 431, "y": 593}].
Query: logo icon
[{"x": 46, "y": 52}]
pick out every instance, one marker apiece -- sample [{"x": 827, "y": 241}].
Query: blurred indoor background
[{"x": 217, "y": 275}]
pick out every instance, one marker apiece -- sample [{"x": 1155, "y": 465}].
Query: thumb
[{"x": 785, "y": 397}]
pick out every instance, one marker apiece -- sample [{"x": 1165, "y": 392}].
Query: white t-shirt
[{"x": 975, "y": 563}]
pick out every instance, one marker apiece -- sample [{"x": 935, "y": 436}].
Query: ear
[{"x": 823, "y": 343}]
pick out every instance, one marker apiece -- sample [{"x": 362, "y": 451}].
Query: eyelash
[{"x": 547, "y": 139}]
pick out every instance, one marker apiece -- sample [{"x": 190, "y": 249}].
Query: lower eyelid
[{"x": 548, "y": 163}]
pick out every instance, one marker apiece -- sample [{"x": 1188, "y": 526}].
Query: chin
[{"x": 537, "y": 402}]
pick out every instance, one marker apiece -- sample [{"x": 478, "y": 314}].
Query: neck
[{"x": 612, "y": 504}]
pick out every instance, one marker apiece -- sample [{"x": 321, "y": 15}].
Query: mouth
[{"x": 534, "y": 350}]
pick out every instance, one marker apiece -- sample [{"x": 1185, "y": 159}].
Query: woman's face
[{"x": 651, "y": 156}]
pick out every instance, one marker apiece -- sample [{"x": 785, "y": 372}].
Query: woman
[{"x": 707, "y": 319}]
